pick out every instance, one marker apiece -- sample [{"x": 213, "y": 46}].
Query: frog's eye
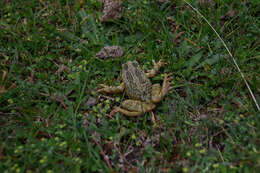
[
  {"x": 135, "y": 64},
  {"x": 124, "y": 66}
]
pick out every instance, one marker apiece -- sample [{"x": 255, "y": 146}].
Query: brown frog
[{"x": 143, "y": 95}]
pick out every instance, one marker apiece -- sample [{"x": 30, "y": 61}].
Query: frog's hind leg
[
  {"x": 126, "y": 112},
  {"x": 134, "y": 108},
  {"x": 112, "y": 89}
]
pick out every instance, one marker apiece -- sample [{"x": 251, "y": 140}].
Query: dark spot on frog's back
[
  {"x": 138, "y": 73},
  {"x": 129, "y": 77}
]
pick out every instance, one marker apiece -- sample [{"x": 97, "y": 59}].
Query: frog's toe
[
  {"x": 103, "y": 87},
  {"x": 161, "y": 62},
  {"x": 126, "y": 112},
  {"x": 115, "y": 110},
  {"x": 167, "y": 84}
]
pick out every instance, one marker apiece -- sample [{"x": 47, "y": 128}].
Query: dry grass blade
[
  {"x": 235, "y": 62},
  {"x": 4, "y": 75},
  {"x": 4, "y": 79}
]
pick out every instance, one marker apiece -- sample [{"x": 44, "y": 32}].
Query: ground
[{"x": 52, "y": 119}]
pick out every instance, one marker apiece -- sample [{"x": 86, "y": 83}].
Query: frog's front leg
[
  {"x": 134, "y": 108},
  {"x": 112, "y": 89},
  {"x": 156, "y": 68},
  {"x": 159, "y": 92}
]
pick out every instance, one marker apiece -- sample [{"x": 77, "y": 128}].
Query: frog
[{"x": 142, "y": 94}]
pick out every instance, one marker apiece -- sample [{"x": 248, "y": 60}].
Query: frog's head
[{"x": 130, "y": 65}]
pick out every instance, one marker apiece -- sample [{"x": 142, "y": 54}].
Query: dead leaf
[
  {"x": 110, "y": 52},
  {"x": 112, "y": 10},
  {"x": 91, "y": 101}
]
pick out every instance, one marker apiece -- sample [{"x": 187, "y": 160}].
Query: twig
[
  {"x": 103, "y": 154},
  {"x": 220, "y": 154}
]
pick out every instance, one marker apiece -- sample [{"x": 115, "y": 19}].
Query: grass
[{"x": 53, "y": 120}]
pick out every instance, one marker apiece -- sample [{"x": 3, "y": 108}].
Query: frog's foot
[
  {"x": 156, "y": 68},
  {"x": 112, "y": 89},
  {"x": 159, "y": 64},
  {"x": 166, "y": 87},
  {"x": 158, "y": 93}
]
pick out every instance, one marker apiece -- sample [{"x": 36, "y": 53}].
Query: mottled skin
[{"x": 142, "y": 94}]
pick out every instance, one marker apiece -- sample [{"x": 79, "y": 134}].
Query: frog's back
[{"x": 137, "y": 85}]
